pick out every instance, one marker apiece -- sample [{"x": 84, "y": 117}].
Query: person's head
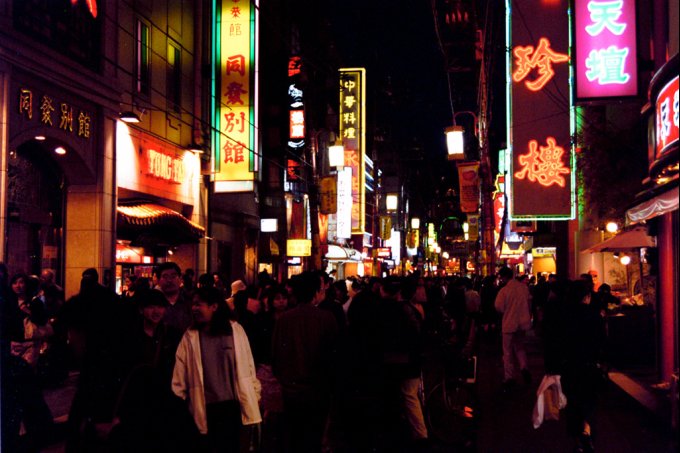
[
  {"x": 210, "y": 311},
  {"x": 152, "y": 304},
  {"x": 241, "y": 301},
  {"x": 307, "y": 288},
  {"x": 340, "y": 290},
  {"x": 169, "y": 277},
  {"x": 206, "y": 280},
  {"x": 588, "y": 279},
  {"x": 408, "y": 288},
  {"x": 552, "y": 278},
  {"x": 276, "y": 298},
  {"x": 237, "y": 287},
  {"x": 579, "y": 291},
  {"x": 18, "y": 284},
  {"x": 505, "y": 274},
  {"x": 605, "y": 289},
  {"x": 390, "y": 288},
  {"x": 47, "y": 277},
  {"x": 89, "y": 280}
]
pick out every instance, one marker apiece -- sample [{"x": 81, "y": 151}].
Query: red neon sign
[
  {"x": 543, "y": 58},
  {"x": 667, "y": 131},
  {"x": 543, "y": 164}
]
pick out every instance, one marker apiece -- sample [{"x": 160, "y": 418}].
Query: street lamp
[
  {"x": 455, "y": 143},
  {"x": 336, "y": 156},
  {"x": 415, "y": 223},
  {"x": 391, "y": 202}
]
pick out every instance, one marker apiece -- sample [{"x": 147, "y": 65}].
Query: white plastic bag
[{"x": 550, "y": 383}]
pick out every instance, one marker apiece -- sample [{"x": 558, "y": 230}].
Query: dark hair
[
  {"x": 166, "y": 266},
  {"x": 271, "y": 294},
  {"x": 206, "y": 280},
  {"x": 408, "y": 288},
  {"x": 305, "y": 286},
  {"x": 145, "y": 297},
  {"x": 391, "y": 285},
  {"x": 506, "y": 272},
  {"x": 220, "y": 323}
]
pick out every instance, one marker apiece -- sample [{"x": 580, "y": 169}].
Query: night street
[{"x": 339, "y": 226}]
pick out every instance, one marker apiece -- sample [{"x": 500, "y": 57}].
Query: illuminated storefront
[{"x": 159, "y": 215}]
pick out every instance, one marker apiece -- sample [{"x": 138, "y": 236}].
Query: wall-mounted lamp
[
  {"x": 129, "y": 117},
  {"x": 195, "y": 148},
  {"x": 336, "y": 156},
  {"x": 391, "y": 201},
  {"x": 60, "y": 150}
]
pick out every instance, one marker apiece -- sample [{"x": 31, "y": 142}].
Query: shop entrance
[{"x": 35, "y": 212}]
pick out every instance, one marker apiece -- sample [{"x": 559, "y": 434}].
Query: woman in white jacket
[{"x": 215, "y": 372}]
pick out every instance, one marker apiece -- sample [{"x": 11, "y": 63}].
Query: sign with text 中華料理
[
  {"x": 353, "y": 134},
  {"x": 605, "y": 54}
]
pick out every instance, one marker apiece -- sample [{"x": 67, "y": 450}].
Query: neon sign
[
  {"x": 235, "y": 140},
  {"x": 605, "y": 43},
  {"x": 540, "y": 181},
  {"x": 543, "y": 57},
  {"x": 667, "y": 108},
  {"x": 543, "y": 164}
]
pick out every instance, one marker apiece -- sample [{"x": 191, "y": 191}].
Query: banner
[
  {"x": 328, "y": 195},
  {"x": 468, "y": 180}
]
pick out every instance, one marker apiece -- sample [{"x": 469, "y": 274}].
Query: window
[
  {"x": 174, "y": 78},
  {"x": 142, "y": 58}
]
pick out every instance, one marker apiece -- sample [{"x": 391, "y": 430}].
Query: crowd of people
[{"x": 179, "y": 363}]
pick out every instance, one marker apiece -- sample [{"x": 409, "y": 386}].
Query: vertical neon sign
[
  {"x": 605, "y": 48},
  {"x": 353, "y": 133},
  {"x": 540, "y": 179},
  {"x": 235, "y": 141}
]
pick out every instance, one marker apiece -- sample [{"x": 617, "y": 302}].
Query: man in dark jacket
[{"x": 303, "y": 355}]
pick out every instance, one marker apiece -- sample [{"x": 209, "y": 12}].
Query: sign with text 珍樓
[{"x": 541, "y": 182}]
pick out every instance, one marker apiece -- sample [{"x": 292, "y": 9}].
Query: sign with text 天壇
[
  {"x": 236, "y": 56},
  {"x": 605, "y": 55},
  {"x": 541, "y": 178},
  {"x": 353, "y": 134}
]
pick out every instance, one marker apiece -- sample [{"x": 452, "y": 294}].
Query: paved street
[
  {"x": 504, "y": 420},
  {"x": 622, "y": 425}
]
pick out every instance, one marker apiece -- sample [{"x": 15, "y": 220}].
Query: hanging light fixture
[{"x": 129, "y": 117}]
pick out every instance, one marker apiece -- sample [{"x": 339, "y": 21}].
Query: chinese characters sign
[
  {"x": 667, "y": 117},
  {"x": 540, "y": 177},
  {"x": 353, "y": 132},
  {"x": 234, "y": 158},
  {"x": 51, "y": 112},
  {"x": 606, "y": 52}
]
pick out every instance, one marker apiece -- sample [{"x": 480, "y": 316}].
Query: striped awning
[{"x": 154, "y": 220}]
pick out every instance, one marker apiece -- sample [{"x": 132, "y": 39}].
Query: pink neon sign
[{"x": 606, "y": 51}]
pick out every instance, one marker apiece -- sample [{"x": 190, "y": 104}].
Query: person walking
[
  {"x": 583, "y": 375},
  {"x": 215, "y": 373},
  {"x": 304, "y": 344},
  {"x": 514, "y": 303},
  {"x": 178, "y": 311}
]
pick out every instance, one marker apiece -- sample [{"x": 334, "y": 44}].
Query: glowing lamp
[
  {"x": 392, "y": 201},
  {"x": 612, "y": 227},
  {"x": 445, "y": 255},
  {"x": 454, "y": 142},
  {"x": 625, "y": 260},
  {"x": 466, "y": 227},
  {"x": 415, "y": 223},
  {"x": 336, "y": 155},
  {"x": 129, "y": 117}
]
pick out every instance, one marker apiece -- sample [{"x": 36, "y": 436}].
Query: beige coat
[{"x": 187, "y": 378}]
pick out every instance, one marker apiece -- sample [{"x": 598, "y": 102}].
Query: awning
[
  {"x": 659, "y": 205},
  {"x": 338, "y": 253},
  {"x": 153, "y": 224},
  {"x": 630, "y": 239}
]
